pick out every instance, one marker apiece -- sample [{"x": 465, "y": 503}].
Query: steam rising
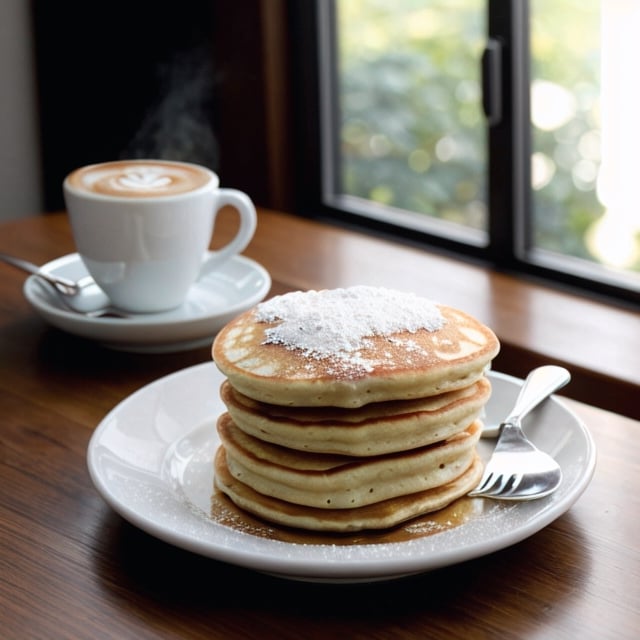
[{"x": 178, "y": 125}]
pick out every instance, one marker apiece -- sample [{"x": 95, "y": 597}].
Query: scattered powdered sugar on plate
[{"x": 337, "y": 321}]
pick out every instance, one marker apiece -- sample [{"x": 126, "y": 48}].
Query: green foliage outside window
[{"x": 413, "y": 135}]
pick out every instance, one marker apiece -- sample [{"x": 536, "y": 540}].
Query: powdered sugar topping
[{"x": 338, "y": 322}]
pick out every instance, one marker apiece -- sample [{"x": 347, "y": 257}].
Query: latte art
[
  {"x": 145, "y": 178},
  {"x": 140, "y": 178}
]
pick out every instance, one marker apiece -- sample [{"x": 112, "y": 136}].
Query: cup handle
[{"x": 248, "y": 220}]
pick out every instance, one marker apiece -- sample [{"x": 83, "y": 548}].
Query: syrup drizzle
[{"x": 225, "y": 512}]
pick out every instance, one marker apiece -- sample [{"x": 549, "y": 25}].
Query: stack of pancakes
[{"x": 350, "y": 409}]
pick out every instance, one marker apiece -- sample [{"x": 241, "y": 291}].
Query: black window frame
[{"x": 506, "y": 97}]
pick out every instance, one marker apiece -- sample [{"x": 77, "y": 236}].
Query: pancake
[
  {"x": 350, "y": 409},
  {"x": 351, "y": 347},
  {"x": 327, "y": 481},
  {"x": 380, "y": 515},
  {"x": 373, "y": 429}
]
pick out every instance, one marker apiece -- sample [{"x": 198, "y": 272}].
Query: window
[
  {"x": 585, "y": 135},
  {"x": 409, "y": 123},
  {"x": 500, "y": 129}
]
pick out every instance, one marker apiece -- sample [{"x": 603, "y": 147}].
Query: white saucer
[
  {"x": 151, "y": 460},
  {"x": 213, "y": 301}
]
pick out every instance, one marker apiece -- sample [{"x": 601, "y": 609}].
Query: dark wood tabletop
[{"x": 70, "y": 567}]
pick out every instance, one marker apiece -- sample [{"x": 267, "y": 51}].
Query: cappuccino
[
  {"x": 141, "y": 179},
  {"x": 143, "y": 228}
]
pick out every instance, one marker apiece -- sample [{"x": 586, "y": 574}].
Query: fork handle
[{"x": 540, "y": 384}]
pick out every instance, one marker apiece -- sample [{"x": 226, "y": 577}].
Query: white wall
[{"x": 20, "y": 174}]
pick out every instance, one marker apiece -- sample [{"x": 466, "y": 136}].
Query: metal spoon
[
  {"x": 82, "y": 296},
  {"x": 63, "y": 285}
]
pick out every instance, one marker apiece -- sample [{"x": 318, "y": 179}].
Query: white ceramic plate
[
  {"x": 213, "y": 301},
  {"x": 151, "y": 460}
]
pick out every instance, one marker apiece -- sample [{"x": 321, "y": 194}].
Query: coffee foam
[{"x": 139, "y": 178}]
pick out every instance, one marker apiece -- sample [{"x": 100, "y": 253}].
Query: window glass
[
  {"x": 586, "y": 131},
  {"x": 405, "y": 137},
  {"x": 411, "y": 132}
]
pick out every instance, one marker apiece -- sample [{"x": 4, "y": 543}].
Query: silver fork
[{"x": 517, "y": 469}]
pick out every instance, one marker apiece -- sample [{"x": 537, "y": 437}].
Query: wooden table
[{"x": 71, "y": 568}]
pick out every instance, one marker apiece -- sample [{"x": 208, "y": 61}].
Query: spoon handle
[
  {"x": 19, "y": 263},
  {"x": 540, "y": 383},
  {"x": 68, "y": 286}
]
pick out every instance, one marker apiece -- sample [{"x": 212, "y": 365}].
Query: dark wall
[{"x": 123, "y": 80}]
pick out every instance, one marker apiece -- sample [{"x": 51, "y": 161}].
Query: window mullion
[{"x": 509, "y": 135}]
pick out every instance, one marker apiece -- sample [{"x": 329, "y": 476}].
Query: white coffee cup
[{"x": 143, "y": 228}]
